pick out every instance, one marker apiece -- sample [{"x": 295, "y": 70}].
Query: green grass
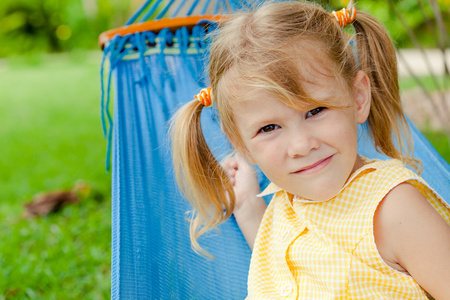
[
  {"x": 430, "y": 84},
  {"x": 440, "y": 141},
  {"x": 51, "y": 137}
]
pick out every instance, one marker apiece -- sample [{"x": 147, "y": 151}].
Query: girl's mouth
[{"x": 315, "y": 167}]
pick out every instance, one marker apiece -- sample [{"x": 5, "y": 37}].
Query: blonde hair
[{"x": 264, "y": 50}]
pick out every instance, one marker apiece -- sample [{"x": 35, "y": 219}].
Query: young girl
[{"x": 290, "y": 87}]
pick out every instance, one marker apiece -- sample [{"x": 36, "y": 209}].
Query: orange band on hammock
[
  {"x": 345, "y": 16},
  {"x": 205, "y": 97},
  {"x": 155, "y": 26}
]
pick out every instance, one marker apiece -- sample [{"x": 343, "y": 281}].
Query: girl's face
[{"x": 310, "y": 153}]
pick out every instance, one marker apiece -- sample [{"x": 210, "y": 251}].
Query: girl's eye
[
  {"x": 269, "y": 128},
  {"x": 315, "y": 111}
]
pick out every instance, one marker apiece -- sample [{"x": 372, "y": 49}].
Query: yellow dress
[{"x": 326, "y": 250}]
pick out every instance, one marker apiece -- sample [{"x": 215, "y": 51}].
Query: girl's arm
[
  {"x": 249, "y": 209},
  {"x": 411, "y": 236}
]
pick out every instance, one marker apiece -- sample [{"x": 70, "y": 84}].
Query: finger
[
  {"x": 234, "y": 164},
  {"x": 229, "y": 163},
  {"x": 225, "y": 164},
  {"x": 243, "y": 163},
  {"x": 232, "y": 178},
  {"x": 230, "y": 172}
]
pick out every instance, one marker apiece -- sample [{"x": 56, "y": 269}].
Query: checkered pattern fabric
[{"x": 326, "y": 250}]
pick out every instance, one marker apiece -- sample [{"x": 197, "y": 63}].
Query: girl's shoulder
[
  {"x": 401, "y": 193},
  {"x": 379, "y": 179},
  {"x": 390, "y": 172},
  {"x": 412, "y": 233}
]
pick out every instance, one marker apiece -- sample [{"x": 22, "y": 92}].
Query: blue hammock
[{"x": 154, "y": 74}]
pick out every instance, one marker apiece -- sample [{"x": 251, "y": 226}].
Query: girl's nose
[{"x": 301, "y": 143}]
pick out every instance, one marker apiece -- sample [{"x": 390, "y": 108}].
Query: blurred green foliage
[
  {"x": 58, "y": 25},
  {"x": 418, "y": 15},
  {"x": 61, "y": 25}
]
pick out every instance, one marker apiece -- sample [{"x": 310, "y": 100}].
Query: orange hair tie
[
  {"x": 345, "y": 16},
  {"x": 205, "y": 97}
]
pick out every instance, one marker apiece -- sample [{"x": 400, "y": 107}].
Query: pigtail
[
  {"x": 199, "y": 175},
  {"x": 377, "y": 57}
]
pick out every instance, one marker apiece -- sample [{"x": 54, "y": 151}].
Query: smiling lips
[{"x": 314, "y": 167}]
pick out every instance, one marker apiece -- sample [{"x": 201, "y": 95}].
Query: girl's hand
[
  {"x": 248, "y": 209},
  {"x": 243, "y": 178}
]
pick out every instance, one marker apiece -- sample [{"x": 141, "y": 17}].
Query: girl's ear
[{"x": 361, "y": 90}]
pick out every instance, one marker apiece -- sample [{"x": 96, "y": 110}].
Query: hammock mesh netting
[{"x": 154, "y": 73}]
